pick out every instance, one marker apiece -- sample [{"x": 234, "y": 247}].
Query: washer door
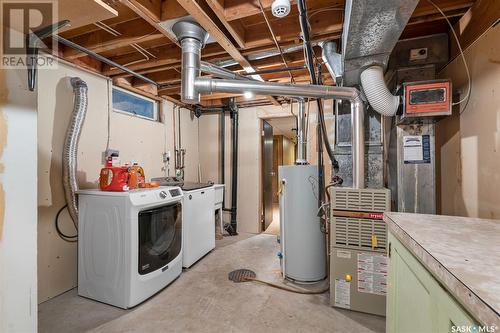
[{"x": 160, "y": 236}]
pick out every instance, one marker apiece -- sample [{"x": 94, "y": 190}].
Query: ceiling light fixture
[{"x": 248, "y": 94}]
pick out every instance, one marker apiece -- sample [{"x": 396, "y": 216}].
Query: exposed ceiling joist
[
  {"x": 206, "y": 22},
  {"x": 151, "y": 12}
]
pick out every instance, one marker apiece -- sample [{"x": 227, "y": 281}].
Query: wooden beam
[
  {"x": 150, "y": 13},
  {"x": 236, "y": 29},
  {"x": 204, "y": 20},
  {"x": 218, "y": 96},
  {"x": 170, "y": 9},
  {"x": 100, "y": 41},
  {"x": 479, "y": 18},
  {"x": 167, "y": 56},
  {"x": 124, "y": 15},
  {"x": 84, "y": 12},
  {"x": 287, "y": 28}
]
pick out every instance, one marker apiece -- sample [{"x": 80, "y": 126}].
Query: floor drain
[{"x": 242, "y": 275}]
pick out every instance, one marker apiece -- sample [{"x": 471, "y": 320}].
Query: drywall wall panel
[
  {"x": 249, "y": 165},
  {"x": 18, "y": 197},
  {"x": 468, "y": 144},
  {"x": 210, "y": 153},
  {"x": 189, "y": 141},
  {"x": 137, "y": 139}
]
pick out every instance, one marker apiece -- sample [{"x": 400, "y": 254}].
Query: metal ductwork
[
  {"x": 70, "y": 150},
  {"x": 263, "y": 55},
  {"x": 333, "y": 61},
  {"x": 371, "y": 30},
  {"x": 301, "y": 136},
  {"x": 192, "y": 85}
]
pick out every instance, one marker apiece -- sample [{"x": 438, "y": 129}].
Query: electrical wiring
[
  {"x": 65, "y": 237},
  {"x": 469, "y": 89}
]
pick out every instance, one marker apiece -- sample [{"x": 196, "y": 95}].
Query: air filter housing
[{"x": 280, "y": 8}]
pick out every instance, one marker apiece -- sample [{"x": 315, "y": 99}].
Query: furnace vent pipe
[
  {"x": 301, "y": 137},
  {"x": 70, "y": 150},
  {"x": 220, "y": 72},
  {"x": 376, "y": 92},
  {"x": 192, "y": 37}
]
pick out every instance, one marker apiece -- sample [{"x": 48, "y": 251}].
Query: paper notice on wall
[
  {"x": 342, "y": 294},
  {"x": 416, "y": 149},
  {"x": 372, "y": 273}
]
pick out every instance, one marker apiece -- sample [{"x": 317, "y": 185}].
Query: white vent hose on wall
[
  {"x": 70, "y": 151},
  {"x": 376, "y": 92}
]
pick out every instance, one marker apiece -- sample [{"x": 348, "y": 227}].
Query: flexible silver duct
[
  {"x": 376, "y": 92},
  {"x": 70, "y": 150}
]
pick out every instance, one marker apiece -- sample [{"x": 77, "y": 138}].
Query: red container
[{"x": 114, "y": 179}]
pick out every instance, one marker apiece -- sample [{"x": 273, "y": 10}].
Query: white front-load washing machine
[{"x": 129, "y": 243}]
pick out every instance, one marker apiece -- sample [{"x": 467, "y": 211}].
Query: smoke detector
[{"x": 280, "y": 8}]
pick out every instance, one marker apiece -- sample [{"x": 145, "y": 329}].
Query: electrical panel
[{"x": 358, "y": 241}]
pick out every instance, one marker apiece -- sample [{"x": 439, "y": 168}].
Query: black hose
[
  {"x": 59, "y": 232},
  {"x": 304, "y": 26}
]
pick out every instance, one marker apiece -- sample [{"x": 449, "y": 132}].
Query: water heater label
[
  {"x": 372, "y": 273},
  {"x": 416, "y": 149},
  {"x": 342, "y": 294}
]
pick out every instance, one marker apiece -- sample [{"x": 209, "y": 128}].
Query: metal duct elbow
[
  {"x": 376, "y": 92},
  {"x": 333, "y": 60},
  {"x": 70, "y": 151}
]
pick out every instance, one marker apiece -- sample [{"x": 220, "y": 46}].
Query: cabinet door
[
  {"x": 451, "y": 313},
  {"x": 416, "y": 301},
  {"x": 410, "y": 303}
]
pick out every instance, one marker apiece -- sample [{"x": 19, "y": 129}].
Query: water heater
[{"x": 303, "y": 253}]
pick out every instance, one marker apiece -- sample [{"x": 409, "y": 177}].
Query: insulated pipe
[
  {"x": 376, "y": 92},
  {"x": 70, "y": 150},
  {"x": 301, "y": 138}
]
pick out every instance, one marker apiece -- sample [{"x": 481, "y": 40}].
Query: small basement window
[{"x": 131, "y": 103}]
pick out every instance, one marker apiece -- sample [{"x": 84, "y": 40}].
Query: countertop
[{"x": 462, "y": 253}]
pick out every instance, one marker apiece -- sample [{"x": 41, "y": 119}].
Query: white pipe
[{"x": 376, "y": 92}]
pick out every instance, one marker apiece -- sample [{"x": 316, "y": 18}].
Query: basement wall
[
  {"x": 137, "y": 139},
  {"x": 18, "y": 243},
  {"x": 468, "y": 144}
]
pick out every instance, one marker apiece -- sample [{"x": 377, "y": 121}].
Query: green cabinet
[{"x": 416, "y": 302}]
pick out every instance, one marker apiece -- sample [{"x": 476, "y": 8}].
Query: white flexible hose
[{"x": 376, "y": 92}]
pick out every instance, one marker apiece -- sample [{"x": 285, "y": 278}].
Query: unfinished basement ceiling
[{"x": 137, "y": 39}]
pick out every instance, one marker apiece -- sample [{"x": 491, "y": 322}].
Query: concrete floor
[{"x": 202, "y": 299}]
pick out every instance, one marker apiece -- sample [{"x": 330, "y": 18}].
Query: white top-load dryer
[{"x": 129, "y": 243}]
